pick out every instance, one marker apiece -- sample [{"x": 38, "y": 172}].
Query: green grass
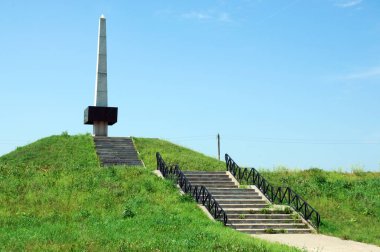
[
  {"x": 174, "y": 154},
  {"x": 54, "y": 196},
  {"x": 349, "y": 203}
]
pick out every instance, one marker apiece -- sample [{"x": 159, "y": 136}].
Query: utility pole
[{"x": 218, "y": 136}]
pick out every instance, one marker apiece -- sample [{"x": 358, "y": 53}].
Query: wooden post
[{"x": 218, "y": 136}]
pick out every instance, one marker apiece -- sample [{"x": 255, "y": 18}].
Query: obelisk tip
[{"x": 102, "y": 16}]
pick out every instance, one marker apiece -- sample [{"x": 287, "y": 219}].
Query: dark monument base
[{"x": 100, "y": 114}]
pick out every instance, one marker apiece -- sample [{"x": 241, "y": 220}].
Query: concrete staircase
[
  {"x": 116, "y": 151},
  {"x": 247, "y": 210}
]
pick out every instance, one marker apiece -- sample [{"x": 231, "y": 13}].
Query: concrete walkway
[{"x": 319, "y": 243}]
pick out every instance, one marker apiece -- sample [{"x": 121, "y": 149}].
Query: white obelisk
[{"x": 101, "y": 127}]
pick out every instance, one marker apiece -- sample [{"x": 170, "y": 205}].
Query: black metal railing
[
  {"x": 276, "y": 195},
  {"x": 199, "y": 193}
]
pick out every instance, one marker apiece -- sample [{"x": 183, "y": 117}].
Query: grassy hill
[
  {"x": 54, "y": 196},
  {"x": 349, "y": 203}
]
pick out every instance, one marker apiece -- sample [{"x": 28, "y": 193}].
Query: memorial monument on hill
[
  {"x": 110, "y": 150},
  {"x": 100, "y": 115}
]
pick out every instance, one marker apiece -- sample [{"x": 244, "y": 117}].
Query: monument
[{"x": 100, "y": 115}]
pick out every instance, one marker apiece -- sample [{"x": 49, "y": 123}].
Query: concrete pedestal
[
  {"x": 100, "y": 128},
  {"x": 100, "y": 117}
]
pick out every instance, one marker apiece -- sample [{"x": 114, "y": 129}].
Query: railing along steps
[{"x": 245, "y": 207}]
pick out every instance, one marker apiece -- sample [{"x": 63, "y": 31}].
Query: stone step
[
  {"x": 111, "y": 149},
  {"x": 108, "y": 159},
  {"x": 210, "y": 186},
  {"x": 236, "y": 196},
  {"x": 122, "y": 163},
  {"x": 111, "y": 159},
  {"x": 269, "y": 225},
  {"x": 242, "y": 206},
  {"x": 259, "y": 221},
  {"x": 279, "y": 231},
  {"x": 113, "y": 139},
  {"x": 259, "y": 216},
  {"x": 122, "y": 152},
  {"x": 216, "y": 183},
  {"x": 123, "y": 156},
  {"x": 221, "y": 178},
  {"x": 116, "y": 151},
  {"x": 241, "y": 201},
  {"x": 116, "y": 146},
  {"x": 239, "y": 210},
  {"x": 119, "y": 156},
  {"x": 119, "y": 161},
  {"x": 205, "y": 179},
  {"x": 204, "y": 173},
  {"x": 233, "y": 191}
]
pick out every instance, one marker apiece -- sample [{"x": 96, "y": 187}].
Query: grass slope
[
  {"x": 174, "y": 154},
  {"x": 54, "y": 196},
  {"x": 349, "y": 203}
]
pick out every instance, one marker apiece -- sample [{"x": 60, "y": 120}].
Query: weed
[
  {"x": 295, "y": 216},
  {"x": 65, "y": 134},
  {"x": 265, "y": 211},
  {"x": 275, "y": 231},
  {"x": 149, "y": 186},
  {"x": 367, "y": 211},
  {"x": 270, "y": 231},
  {"x": 358, "y": 170},
  {"x": 186, "y": 198},
  {"x": 172, "y": 178},
  {"x": 241, "y": 216},
  {"x": 128, "y": 212},
  {"x": 83, "y": 214},
  {"x": 288, "y": 210},
  {"x": 112, "y": 171}
]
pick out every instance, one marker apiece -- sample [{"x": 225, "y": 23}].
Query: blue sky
[{"x": 293, "y": 83}]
